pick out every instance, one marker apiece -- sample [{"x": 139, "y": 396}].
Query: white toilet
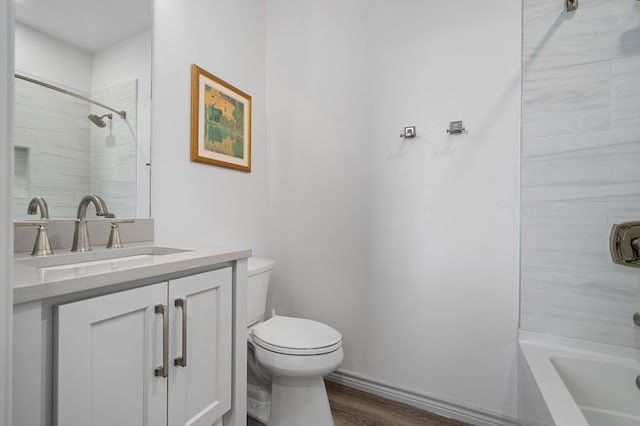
[{"x": 287, "y": 358}]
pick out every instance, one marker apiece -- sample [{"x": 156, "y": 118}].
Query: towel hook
[
  {"x": 409, "y": 132},
  {"x": 456, "y": 127}
]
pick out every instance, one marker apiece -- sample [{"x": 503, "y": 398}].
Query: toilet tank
[{"x": 259, "y": 269}]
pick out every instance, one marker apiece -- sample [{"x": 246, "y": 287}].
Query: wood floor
[{"x": 353, "y": 407}]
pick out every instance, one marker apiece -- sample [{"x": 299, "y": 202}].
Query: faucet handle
[
  {"x": 114, "y": 237},
  {"x": 42, "y": 246},
  {"x": 30, "y": 223},
  {"x": 117, "y": 221}
]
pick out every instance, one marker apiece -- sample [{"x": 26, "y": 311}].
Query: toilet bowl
[{"x": 288, "y": 358}]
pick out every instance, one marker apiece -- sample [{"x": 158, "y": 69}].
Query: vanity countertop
[{"x": 43, "y": 277}]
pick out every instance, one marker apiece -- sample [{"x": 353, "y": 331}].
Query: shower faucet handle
[
  {"x": 630, "y": 244},
  {"x": 114, "y": 237},
  {"x": 624, "y": 243}
]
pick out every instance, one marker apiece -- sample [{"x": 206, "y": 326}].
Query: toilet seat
[{"x": 296, "y": 336}]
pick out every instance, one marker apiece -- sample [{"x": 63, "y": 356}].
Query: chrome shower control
[
  {"x": 624, "y": 244},
  {"x": 636, "y": 319}
]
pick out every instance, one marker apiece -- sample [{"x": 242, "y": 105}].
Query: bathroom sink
[
  {"x": 117, "y": 257},
  {"x": 96, "y": 262}
]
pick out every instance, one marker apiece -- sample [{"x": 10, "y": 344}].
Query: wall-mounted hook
[
  {"x": 572, "y": 5},
  {"x": 409, "y": 132},
  {"x": 456, "y": 127}
]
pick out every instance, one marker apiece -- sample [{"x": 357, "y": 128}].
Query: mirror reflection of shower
[
  {"x": 67, "y": 145},
  {"x": 103, "y": 57}
]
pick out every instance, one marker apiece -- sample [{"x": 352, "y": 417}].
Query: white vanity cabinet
[{"x": 153, "y": 355}]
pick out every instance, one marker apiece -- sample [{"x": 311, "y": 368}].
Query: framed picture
[{"x": 220, "y": 122}]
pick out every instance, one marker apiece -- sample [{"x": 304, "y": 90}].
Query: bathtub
[{"x": 568, "y": 382}]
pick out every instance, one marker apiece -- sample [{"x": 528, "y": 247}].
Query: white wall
[
  {"x": 128, "y": 60},
  {"x": 42, "y": 55},
  {"x": 580, "y": 153},
  {"x": 409, "y": 248},
  {"x": 192, "y": 201},
  {"x": 319, "y": 160},
  {"x": 6, "y": 222}
]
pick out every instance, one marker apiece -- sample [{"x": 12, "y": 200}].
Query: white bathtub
[{"x": 568, "y": 382}]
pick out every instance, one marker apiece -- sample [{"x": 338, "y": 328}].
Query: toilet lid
[{"x": 296, "y": 336}]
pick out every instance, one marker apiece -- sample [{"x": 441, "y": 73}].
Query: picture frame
[{"x": 220, "y": 122}]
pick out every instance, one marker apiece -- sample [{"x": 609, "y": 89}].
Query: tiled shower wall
[
  {"x": 113, "y": 150},
  {"x": 51, "y": 134},
  {"x": 61, "y": 156},
  {"x": 580, "y": 167}
]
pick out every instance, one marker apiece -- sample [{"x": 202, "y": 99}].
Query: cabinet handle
[
  {"x": 162, "y": 370},
  {"x": 182, "y": 359}
]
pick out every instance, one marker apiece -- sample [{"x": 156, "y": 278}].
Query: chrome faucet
[
  {"x": 81, "y": 240},
  {"x": 38, "y": 202},
  {"x": 42, "y": 246}
]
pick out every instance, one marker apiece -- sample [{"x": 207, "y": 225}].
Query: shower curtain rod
[{"x": 122, "y": 114}]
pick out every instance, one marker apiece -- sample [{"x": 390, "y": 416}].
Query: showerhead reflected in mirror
[{"x": 99, "y": 121}]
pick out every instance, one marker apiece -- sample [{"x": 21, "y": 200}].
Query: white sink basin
[
  {"x": 116, "y": 257},
  {"x": 96, "y": 262}
]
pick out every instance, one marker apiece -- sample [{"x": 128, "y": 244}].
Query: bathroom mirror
[{"x": 65, "y": 146}]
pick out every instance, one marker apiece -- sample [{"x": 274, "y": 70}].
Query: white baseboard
[{"x": 454, "y": 410}]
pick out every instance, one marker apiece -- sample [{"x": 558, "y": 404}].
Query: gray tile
[
  {"x": 625, "y": 93},
  {"x": 587, "y": 174},
  {"x": 599, "y": 30},
  {"x": 569, "y": 285},
  {"x": 563, "y": 144},
  {"x": 53, "y": 127},
  {"x": 113, "y": 166},
  {"x": 566, "y": 101}
]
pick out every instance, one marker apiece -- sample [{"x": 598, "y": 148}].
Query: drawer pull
[
  {"x": 182, "y": 359},
  {"x": 163, "y": 370}
]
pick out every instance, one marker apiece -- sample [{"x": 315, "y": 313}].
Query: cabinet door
[
  {"x": 107, "y": 350},
  {"x": 200, "y": 391}
]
